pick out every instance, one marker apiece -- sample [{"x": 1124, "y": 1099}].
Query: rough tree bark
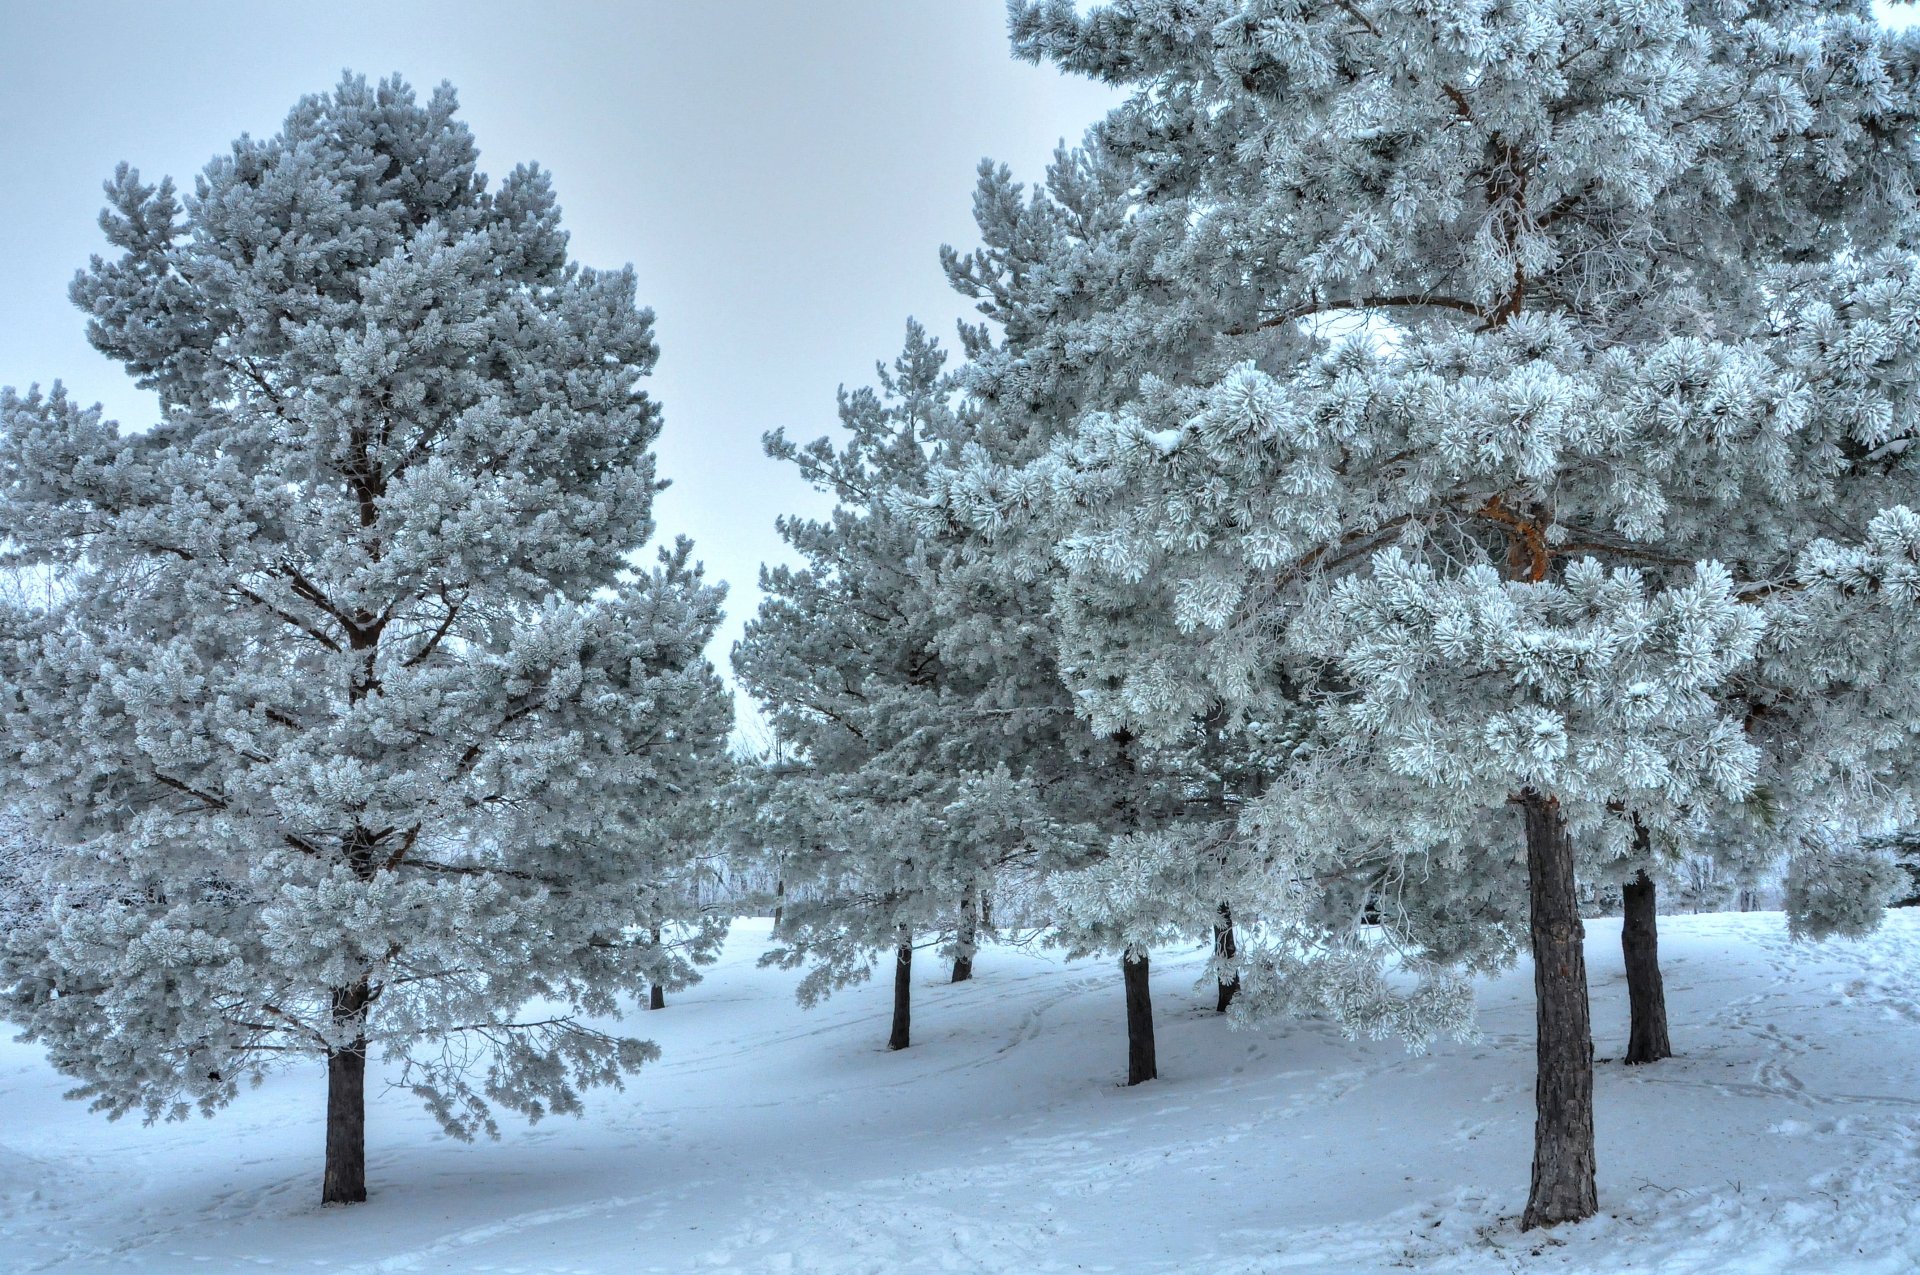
[
  {"x": 969, "y": 931},
  {"x": 1140, "y": 1061},
  {"x": 345, "y": 1180},
  {"x": 657, "y": 995},
  {"x": 1647, "y": 1039},
  {"x": 1225, "y": 949},
  {"x": 1562, "y": 1187},
  {"x": 902, "y": 991}
]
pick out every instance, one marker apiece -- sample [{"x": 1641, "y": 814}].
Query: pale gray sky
[{"x": 780, "y": 174}]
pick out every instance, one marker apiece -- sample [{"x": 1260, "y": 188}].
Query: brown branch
[
  {"x": 828, "y": 713},
  {"x": 1353, "y": 11},
  {"x": 1566, "y": 205},
  {"x": 564, "y": 1024},
  {"x": 1622, "y": 551},
  {"x": 1409, "y": 300},
  {"x": 1525, "y": 536},
  {"x": 307, "y": 590},
  {"x": 436, "y": 975},
  {"x": 1575, "y": 56},
  {"x": 212, "y": 802},
  {"x": 453, "y": 610},
  {"x": 481, "y": 870},
  {"x": 187, "y": 555},
  {"x": 1352, "y": 545},
  {"x": 406, "y": 844},
  {"x": 525, "y": 710},
  {"x": 1510, "y": 192},
  {"x": 297, "y": 1025},
  {"x": 1760, "y": 592},
  {"x": 287, "y": 617}
]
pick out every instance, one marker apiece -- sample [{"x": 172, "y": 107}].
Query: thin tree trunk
[
  {"x": 656, "y": 995},
  {"x": 1646, "y": 995},
  {"x": 902, "y": 991},
  {"x": 1140, "y": 1061},
  {"x": 779, "y": 904},
  {"x": 969, "y": 931},
  {"x": 1224, "y": 950},
  {"x": 345, "y": 1181},
  {"x": 1562, "y": 1187},
  {"x": 986, "y": 910}
]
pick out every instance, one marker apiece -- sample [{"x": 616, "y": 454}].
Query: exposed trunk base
[
  {"x": 1647, "y": 1039},
  {"x": 1140, "y": 1060},
  {"x": 902, "y": 991},
  {"x": 1562, "y": 1188},
  {"x": 656, "y": 995},
  {"x": 1224, "y": 950},
  {"x": 969, "y": 932},
  {"x": 345, "y": 1180}
]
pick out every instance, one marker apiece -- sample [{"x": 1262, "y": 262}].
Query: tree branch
[
  {"x": 1401, "y": 301},
  {"x": 453, "y": 609}
]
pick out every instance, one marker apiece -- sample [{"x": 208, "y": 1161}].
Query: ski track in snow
[{"x": 1784, "y": 1138}]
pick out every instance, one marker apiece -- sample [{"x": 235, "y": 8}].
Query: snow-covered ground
[{"x": 774, "y": 1139}]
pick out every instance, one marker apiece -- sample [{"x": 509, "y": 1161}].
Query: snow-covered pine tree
[
  {"x": 1566, "y": 269},
  {"x": 1053, "y": 268},
  {"x": 1229, "y": 765},
  {"x": 935, "y": 747},
  {"x": 690, "y": 921},
  {"x": 358, "y": 729},
  {"x": 750, "y": 843}
]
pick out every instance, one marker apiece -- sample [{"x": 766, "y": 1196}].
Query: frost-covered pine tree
[
  {"x": 358, "y": 731},
  {"x": 842, "y": 656},
  {"x": 1046, "y": 271},
  {"x": 936, "y": 753},
  {"x": 1485, "y": 372}
]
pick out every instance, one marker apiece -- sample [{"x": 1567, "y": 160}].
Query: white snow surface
[{"x": 775, "y": 1139}]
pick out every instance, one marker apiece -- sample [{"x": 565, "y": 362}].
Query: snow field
[{"x": 1784, "y": 1138}]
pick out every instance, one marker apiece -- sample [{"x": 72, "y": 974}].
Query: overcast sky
[{"x": 780, "y": 175}]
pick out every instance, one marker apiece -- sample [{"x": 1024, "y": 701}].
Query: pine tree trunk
[
  {"x": 779, "y": 904},
  {"x": 656, "y": 995},
  {"x": 345, "y": 1178},
  {"x": 1563, "y": 1152},
  {"x": 1646, "y": 995},
  {"x": 902, "y": 991},
  {"x": 1140, "y": 1060},
  {"x": 969, "y": 931},
  {"x": 345, "y": 1181},
  {"x": 1225, "y": 949}
]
